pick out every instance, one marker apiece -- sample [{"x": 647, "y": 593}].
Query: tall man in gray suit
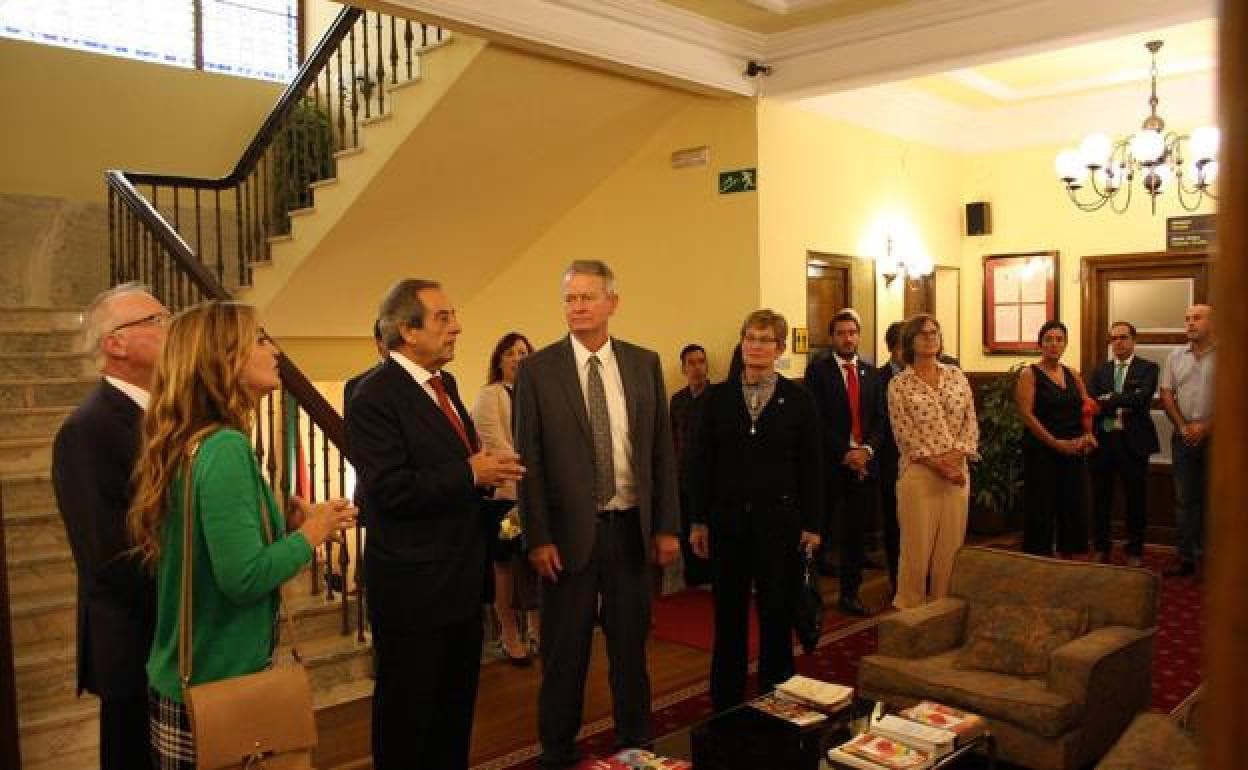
[{"x": 598, "y": 502}]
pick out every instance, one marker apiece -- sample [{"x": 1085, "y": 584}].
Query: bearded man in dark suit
[
  {"x": 600, "y": 496},
  {"x": 1125, "y": 434},
  {"x": 421, "y": 474},
  {"x": 92, "y": 460}
]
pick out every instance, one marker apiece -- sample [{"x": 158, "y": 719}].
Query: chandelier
[{"x": 1161, "y": 160}]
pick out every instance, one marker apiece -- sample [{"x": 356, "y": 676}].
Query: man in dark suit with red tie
[
  {"x": 420, "y": 473},
  {"x": 92, "y": 460},
  {"x": 846, "y": 393},
  {"x": 1125, "y": 434}
]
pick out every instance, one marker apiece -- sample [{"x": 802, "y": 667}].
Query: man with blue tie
[{"x": 1125, "y": 434}]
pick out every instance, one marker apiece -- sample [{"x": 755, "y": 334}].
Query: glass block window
[{"x": 251, "y": 38}]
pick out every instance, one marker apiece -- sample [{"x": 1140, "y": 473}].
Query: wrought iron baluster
[
  {"x": 342, "y": 111},
  {"x": 424, "y": 35},
  {"x": 177, "y": 212},
  {"x": 365, "y": 88},
  {"x": 380, "y": 85},
  {"x": 394, "y": 51},
  {"x": 355, "y": 99},
  {"x": 258, "y": 433},
  {"x": 113, "y": 276},
  {"x": 360, "y": 597},
  {"x": 344, "y": 564},
  {"x": 408, "y": 37},
  {"x": 265, "y": 203},
  {"x": 220, "y": 238},
  {"x": 273, "y": 441},
  {"x": 238, "y": 226}
]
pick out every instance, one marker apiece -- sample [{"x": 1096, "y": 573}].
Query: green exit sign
[{"x": 740, "y": 180}]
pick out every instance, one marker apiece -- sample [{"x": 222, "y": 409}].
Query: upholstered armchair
[{"x": 1056, "y": 655}]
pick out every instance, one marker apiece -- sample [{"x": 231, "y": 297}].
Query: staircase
[{"x": 185, "y": 253}]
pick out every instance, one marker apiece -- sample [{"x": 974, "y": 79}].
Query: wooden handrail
[
  {"x": 305, "y": 393},
  {"x": 306, "y": 76},
  {"x": 10, "y": 748}
]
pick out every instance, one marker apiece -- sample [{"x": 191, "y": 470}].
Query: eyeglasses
[
  {"x": 931, "y": 334},
  {"x": 155, "y": 319},
  {"x": 751, "y": 339},
  {"x": 1119, "y": 337}
]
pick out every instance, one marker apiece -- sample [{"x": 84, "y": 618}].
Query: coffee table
[{"x": 744, "y": 738}]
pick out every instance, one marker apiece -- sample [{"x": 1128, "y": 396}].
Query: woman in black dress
[
  {"x": 1050, "y": 400},
  {"x": 757, "y": 503}
]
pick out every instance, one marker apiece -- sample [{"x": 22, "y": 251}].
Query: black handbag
[{"x": 808, "y": 616}]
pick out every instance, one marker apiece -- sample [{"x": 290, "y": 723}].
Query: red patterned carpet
[{"x": 1176, "y": 667}]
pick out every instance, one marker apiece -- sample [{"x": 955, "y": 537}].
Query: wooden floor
[{"x": 506, "y": 713}]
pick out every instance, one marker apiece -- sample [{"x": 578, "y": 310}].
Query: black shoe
[
  {"x": 1182, "y": 569},
  {"x": 851, "y": 606}
]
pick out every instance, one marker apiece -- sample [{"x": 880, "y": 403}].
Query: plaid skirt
[{"x": 173, "y": 746}]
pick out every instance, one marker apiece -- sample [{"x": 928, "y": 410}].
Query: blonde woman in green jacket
[{"x": 215, "y": 366}]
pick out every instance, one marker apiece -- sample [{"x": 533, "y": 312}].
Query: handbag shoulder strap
[{"x": 184, "y": 611}]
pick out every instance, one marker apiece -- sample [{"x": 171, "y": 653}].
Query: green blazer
[{"x": 236, "y": 576}]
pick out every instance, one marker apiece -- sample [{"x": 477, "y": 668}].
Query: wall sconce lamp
[{"x": 892, "y": 266}]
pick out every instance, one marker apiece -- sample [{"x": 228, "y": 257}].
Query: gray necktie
[{"x": 600, "y": 426}]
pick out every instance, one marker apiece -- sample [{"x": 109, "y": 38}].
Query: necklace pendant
[{"x": 753, "y": 430}]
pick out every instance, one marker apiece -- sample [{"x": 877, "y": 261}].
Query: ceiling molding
[
  {"x": 787, "y": 6},
  {"x": 927, "y": 36},
  {"x": 909, "y": 39},
  {"x": 909, "y": 113},
  {"x": 644, "y": 35},
  {"x": 978, "y": 81}
]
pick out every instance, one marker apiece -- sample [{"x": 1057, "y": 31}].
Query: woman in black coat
[{"x": 757, "y": 503}]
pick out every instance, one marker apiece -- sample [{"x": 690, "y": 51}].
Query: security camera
[{"x": 753, "y": 69}]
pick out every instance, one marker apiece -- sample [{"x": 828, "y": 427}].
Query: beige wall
[
  {"x": 72, "y": 115},
  {"x": 829, "y": 186},
  {"x": 1031, "y": 212}
]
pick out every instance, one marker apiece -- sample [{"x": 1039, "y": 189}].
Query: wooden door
[
  {"x": 1151, "y": 291},
  {"x": 919, "y": 296},
  {"x": 828, "y": 285}
]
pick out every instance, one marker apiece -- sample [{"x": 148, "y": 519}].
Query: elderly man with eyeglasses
[{"x": 92, "y": 458}]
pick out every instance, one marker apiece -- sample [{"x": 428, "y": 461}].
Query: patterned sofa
[
  {"x": 1159, "y": 741},
  {"x": 1065, "y": 716}
]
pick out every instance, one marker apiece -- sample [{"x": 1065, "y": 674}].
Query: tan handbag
[{"x": 260, "y": 721}]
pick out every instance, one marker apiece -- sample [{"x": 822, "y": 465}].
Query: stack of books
[
  {"x": 812, "y": 693},
  {"x": 913, "y": 740},
  {"x": 635, "y": 759}
]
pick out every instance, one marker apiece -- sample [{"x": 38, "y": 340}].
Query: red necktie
[
  {"x": 436, "y": 383},
  {"x": 851, "y": 389}
]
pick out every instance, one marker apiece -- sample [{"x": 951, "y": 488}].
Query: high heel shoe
[{"x": 520, "y": 661}]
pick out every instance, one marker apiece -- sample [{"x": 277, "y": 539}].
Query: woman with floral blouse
[{"x": 932, "y": 412}]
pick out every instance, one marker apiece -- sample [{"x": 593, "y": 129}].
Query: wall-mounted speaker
[{"x": 978, "y": 218}]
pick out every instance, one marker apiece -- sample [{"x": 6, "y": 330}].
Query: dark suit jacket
[
  {"x": 1138, "y": 388},
  {"x": 92, "y": 458},
  {"x": 425, "y": 559},
  {"x": 887, "y": 456},
  {"x": 776, "y": 472},
  {"x": 348, "y": 388},
  {"x": 553, "y": 440},
  {"x": 827, "y": 385}
]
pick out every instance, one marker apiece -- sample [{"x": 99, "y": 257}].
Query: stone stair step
[
  {"x": 334, "y": 660},
  {"x": 60, "y": 736},
  {"x": 32, "y": 421},
  {"x": 27, "y": 492},
  {"x": 26, "y": 365},
  {"x": 26, "y": 454},
  {"x": 45, "y": 341},
  {"x": 46, "y": 671},
  {"x": 25, "y": 530},
  {"x": 315, "y": 617},
  {"x": 16, "y": 393},
  {"x": 40, "y": 319},
  {"x": 81, "y": 759},
  {"x": 40, "y": 569},
  {"x": 43, "y": 617}
]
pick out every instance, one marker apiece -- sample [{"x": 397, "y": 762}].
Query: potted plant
[{"x": 997, "y": 479}]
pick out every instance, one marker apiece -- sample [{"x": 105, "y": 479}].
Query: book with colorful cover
[
  {"x": 640, "y": 759},
  {"x": 790, "y": 711},
  {"x": 934, "y": 741},
  {"x": 965, "y": 724},
  {"x": 873, "y": 752},
  {"x": 824, "y": 696}
]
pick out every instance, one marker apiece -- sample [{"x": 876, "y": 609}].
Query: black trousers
[
  {"x": 125, "y": 740},
  {"x": 614, "y": 590},
  {"x": 888, "y": 516},
  {"x": 1114, "y": 461},
  {"x": 849, "y": 503},
  {"x": 769, "y": 562},
  {"x": 1053, "y": 496},
  {"x": 424, "y": 695},
  {"x": 697, "y": 570}
]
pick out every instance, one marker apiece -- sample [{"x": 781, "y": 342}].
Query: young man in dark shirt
[{"x": 686, "y": 409}]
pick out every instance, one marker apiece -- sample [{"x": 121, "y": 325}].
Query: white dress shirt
[
  {"x": 422, "y": 377},
  {"x": 617, "y": 411},
  {"x": 136, "y": 394}
]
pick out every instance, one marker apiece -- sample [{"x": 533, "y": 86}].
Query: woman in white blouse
[
  {"x": 932, "y": 412},
  {"x": 514, "y": 585}
]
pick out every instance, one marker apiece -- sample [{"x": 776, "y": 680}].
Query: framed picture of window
[{"x": 1020, "y": 294}]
